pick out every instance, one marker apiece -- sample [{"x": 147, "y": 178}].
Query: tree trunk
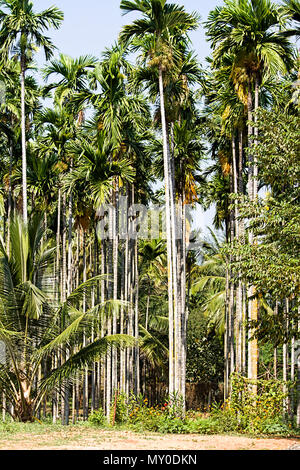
[
  {"x": 253, "y": 302},
  {"x": 168, "y": 234},
  {"x": 285, "y": 359},
  {"x": 227, "y": 340},
  {"x": 115, "y": 283},
  {"x": 136, "y": 322},
  {"x": 85, "y": 402},
  {"x": 298, "y": 377},
  {"x": 184, "y": 307},
  {"x": 23, "y": 132},
  {"x": 10, "y": 199},
  {"x": 70, "y": 225},
  {"x": 239, "y": 287}
]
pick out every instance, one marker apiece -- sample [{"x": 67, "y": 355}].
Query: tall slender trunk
[
  {"x": 10, "y": 199},
  {"x": 64, "y": 252},
  {"x": 23, "y": 132},
  {"x": 93, "y": 257},
  {"x": 102, "y": 375},
  {"x": 85, "y": 403},
  {"x": 136, "y": 323},
  {"x": 298, "y": 377},
  {"x": 227, "y": 339},
  {"x": 131, "y": 286},
  {"x": 63, "y": 296},
  {"x": 122, "y": 321},
  {"x": 125, "y": 381},
  {"x": 252, "y": 188},
  {"x": 285, "y": 356},
  {"x": 70, "y": 225},
  {"x": 168, "y": 230},
  {"x": 109, "y": 324},
  {"x": 239, "y": 287},
  {"x": 115, "y": 283},
  {"x": 176, "y": 276},
  {"x": 184, "y": 310}
]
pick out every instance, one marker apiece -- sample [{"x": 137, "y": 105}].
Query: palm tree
[
  {"x": 22, "y": 29},
  {"x": 120, "y": 117},
  {"x": 180, "y": 113},
  {"x": 210, "y": 279},
  {"x": 250, "y": 31},
  {"x": 93, "y": 171},
  {"x": 30, "y": 324},
  {"x": 160, "y": 22},
  {"x": 292, "y": 9},
  {"x": 72, "y": 75},
  {"x": 262, "y": 52}
]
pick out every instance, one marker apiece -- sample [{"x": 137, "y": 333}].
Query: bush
[
  {"x": 167, "y": 418},
  {"x": 119, "y": 410},
  {"x": 244, "y": 413},
  {"x": 226, "y": 419},
  {"x": 276, "y": 427},
  {"x": 204, "y": 426},
  {"x": 255, "y": 414},
  {"x": 98, "y": 418}
]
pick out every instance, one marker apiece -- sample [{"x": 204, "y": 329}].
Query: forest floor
[{"x": 90, "y": 438}]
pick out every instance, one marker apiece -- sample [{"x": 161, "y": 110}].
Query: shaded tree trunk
[
  {"x": 23, "y": 132},
  {"x": 169, "y": 234}
]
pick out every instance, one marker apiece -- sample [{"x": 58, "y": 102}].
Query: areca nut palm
[
  {"x": 253, "y": 32},
  {"x": 72, "y": 75},
  {"x": 23, "y": 28},
  {"x": 160, "y": 21}
]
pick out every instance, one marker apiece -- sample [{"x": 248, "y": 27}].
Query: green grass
[
  {"x": 11, "y": 428},
  {"x": 62, "y": 434}
]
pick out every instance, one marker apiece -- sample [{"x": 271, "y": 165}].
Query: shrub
[
  {"x": 257, "y": 414},
  {"x": 204, "y": 426},
  {"x": 277, "y": 427},
  {"x": 120, "y": 410},
  {"x": 98, "y": 418}
]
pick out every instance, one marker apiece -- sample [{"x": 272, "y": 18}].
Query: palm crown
[{"x": 20, "y": 22}]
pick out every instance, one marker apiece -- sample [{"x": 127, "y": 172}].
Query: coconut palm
[
  {"x": 30, "y": 325},
  {"x": 22, "y": 30}
]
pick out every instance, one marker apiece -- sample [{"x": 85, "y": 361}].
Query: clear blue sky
[{"x": 92, "y": 25}]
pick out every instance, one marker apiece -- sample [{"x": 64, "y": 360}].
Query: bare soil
[{"x": 93, "y": 439}]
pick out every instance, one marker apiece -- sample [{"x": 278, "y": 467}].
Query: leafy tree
[{"x": 272, "y": 263}]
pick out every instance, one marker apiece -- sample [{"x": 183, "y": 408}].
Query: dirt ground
[{"x": 93, "y": 439}]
